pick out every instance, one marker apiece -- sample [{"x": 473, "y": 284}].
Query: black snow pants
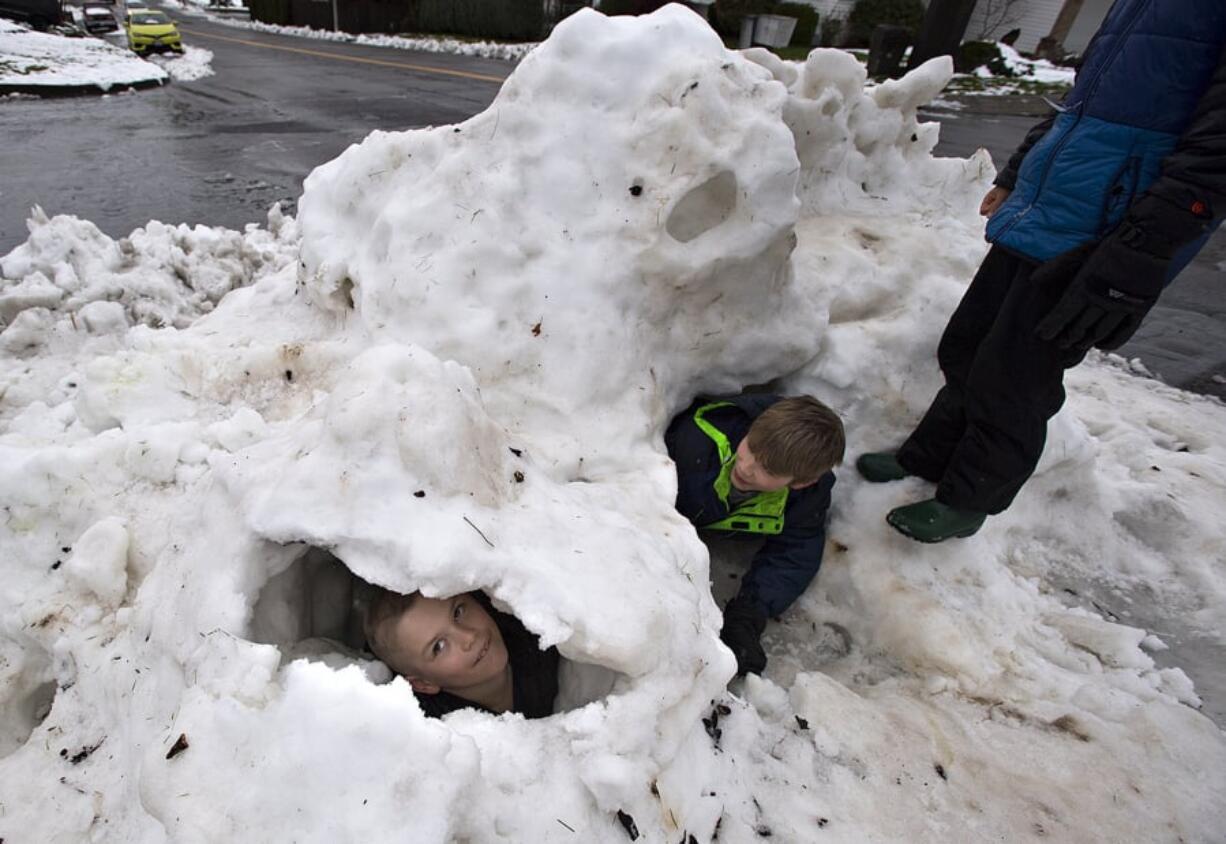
[{"x": 984, "y": 433}]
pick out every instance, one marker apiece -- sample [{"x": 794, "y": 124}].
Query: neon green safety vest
[{"x": 761, "y": 514}]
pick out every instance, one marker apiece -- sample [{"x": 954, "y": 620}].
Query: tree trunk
[
  {"x": 942, "y": 30},
  {"x": 1052, "y": 46}
]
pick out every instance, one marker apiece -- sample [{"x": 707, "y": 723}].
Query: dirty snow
[{"x": 639, "y": 216}]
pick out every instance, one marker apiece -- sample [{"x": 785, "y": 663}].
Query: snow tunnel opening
[
  {"x": 703, "y": 208},
  {"x": 28, "y": 702},
  {"x": 315, "y": 610}
]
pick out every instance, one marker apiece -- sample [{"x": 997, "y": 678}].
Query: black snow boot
[
  {"x": 932, "y": 521},
  {"x": 744, "y": 621},
  {"x": 880, "y": 466}
]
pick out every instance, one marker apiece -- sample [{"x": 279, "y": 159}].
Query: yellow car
[{"x": 152, "y": 31}]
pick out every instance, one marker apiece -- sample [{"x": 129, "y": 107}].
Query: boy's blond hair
[
  {"x": 799, "y": 438},
  {"x": 384, "y": 606}
]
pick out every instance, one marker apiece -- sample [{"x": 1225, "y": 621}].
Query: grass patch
[
  {"x": 967, "y": 83},
  {"x": 7, "y": 67}
]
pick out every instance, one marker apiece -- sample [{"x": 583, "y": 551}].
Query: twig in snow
[{"x": 487, "y": 542}]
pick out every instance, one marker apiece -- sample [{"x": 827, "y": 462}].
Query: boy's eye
[
  {"x": 458, "y": 611},
  {"x": 438, "y": 647}
]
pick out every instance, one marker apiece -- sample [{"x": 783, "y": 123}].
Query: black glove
[
  {"x": 1113, "y": 284},
  {"x": 1092, "y": 312},
  {"x": 744, "y": 621}
]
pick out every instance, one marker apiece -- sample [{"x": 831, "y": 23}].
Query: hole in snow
[
  {"x": 703, "y": 208},
  {"x": 28, "y": 704},
  {"x": 315, "y": 608}
]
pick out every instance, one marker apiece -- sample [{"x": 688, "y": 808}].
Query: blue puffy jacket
[{"x": 1131, "y": 115}]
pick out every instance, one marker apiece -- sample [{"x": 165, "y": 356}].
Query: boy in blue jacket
[
  {"x": 760, "y": 465},
  {"x": 1098, "y": 210}
]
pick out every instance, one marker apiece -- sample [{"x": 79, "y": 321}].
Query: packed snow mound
[
  {"x": 606, "y": 207},
  {"x": 865, "y": 152},
  {"x": 452, "y": 372},
  {"x": 160, "y": 275}
]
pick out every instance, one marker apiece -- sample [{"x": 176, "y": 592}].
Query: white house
[{"x": 993, "y": 18}]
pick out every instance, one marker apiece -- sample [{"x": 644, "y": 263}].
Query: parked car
[
  {"x": 99, "y": 19},
  {"x": 151, "y": 31},
  {"x": 40, "y": 14}
]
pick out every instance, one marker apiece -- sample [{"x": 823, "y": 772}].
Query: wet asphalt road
[{"x": 222, "y": 149}]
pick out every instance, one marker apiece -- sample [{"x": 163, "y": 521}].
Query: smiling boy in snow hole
[{"x": 460, "y": 652}]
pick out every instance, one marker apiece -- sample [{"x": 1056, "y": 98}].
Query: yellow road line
[{"x": 337, "y": 56}]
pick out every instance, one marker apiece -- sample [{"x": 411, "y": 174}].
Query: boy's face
[
  {"x": 449, "y": 644},
  {"x": 748, "y": 475}
]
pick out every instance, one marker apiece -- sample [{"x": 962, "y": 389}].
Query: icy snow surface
[
  {"x": 453, "y": 370},
  {"x": 40, "y": 58},
  {"x": 194, "y": 63}
]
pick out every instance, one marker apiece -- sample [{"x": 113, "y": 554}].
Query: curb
[
  {"x": 84, "y": 90},
  {"x": 1018, "y": 105}
]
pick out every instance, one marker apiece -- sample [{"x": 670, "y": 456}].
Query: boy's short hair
[
  {"x": 384, "y": 605},
  {"x": 799, "y": 438}
]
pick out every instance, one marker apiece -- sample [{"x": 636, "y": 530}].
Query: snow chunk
[
  {"x": 99, "y": 560},
  {"x": 103, "y": 317}
]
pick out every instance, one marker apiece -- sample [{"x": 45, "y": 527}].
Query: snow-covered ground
[
  {"x": 453, "y": 371},
  {"x": 438, "y": 44},
  {"x": 1026, "y": 76},
  {"x": 194, "y": 63},
  {"x": 1035, "y": 70},
  {"x": 40, "y": 58}
]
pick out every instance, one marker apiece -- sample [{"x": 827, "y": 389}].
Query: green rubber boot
[
  {"x": 932, "y": 521},
  {"x": 880, "y": 466}
]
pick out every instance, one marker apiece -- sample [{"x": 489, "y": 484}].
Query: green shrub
[
  {"x": 867, "y": 15},
  {"x": 269, "y": 11},
  {"x": 806, "y": 22},
  {"x": 975, "y": 54},
  {"x": 832, "y": 28},
  {"x": 512, "y": 20},
  {"x": 727, "y": 15},
  {"x": 631, "y": 7}
]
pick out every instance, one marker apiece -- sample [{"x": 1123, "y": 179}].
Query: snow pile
[
  {"x": 452, "y": 372},
  {"x": 194, "y": 63},
  {"x": 437, "y": 44},
  {"x": 1029, "y": 70},
  {"x": 32, "y": 60}
]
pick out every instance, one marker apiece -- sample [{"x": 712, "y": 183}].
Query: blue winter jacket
[
  {"x": 1138, "y": 89},
  {"x": 787, "y": 562}
]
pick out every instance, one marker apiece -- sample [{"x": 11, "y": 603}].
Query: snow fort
[{"x": 452, "y": 372}]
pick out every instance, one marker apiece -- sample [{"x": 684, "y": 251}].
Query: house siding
[{"x": 1035, "y": 19}]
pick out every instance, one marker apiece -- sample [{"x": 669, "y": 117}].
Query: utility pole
[
  {"x": 1052, "y": 46},
  {"x": 942, "y": 30},
  {"x": 336, "y": 26}
]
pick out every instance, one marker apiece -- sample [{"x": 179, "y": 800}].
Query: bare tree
[{"x": 997, "y": 15}]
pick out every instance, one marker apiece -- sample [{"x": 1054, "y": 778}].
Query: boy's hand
[
  {"x": 744, "y": 622},
  {"x": 992, "y": 200}
]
